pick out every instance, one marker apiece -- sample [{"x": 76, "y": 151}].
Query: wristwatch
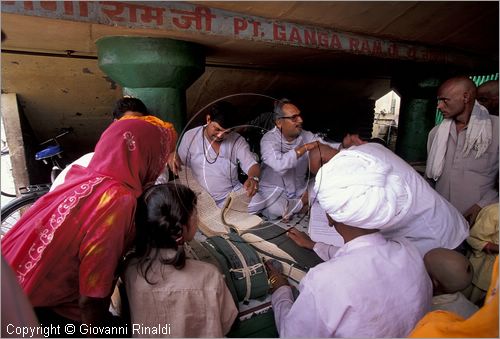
[{"x": 256, "y": 178}]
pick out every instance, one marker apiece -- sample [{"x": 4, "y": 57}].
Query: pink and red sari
[{"x": 70, "y": 241}]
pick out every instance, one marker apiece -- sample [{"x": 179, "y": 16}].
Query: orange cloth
[
  {"x": 158, "y": 122},
  {"x": 482, "y": 324}
]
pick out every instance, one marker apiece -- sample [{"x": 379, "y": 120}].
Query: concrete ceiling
[
  {"x": 469, "y": 27},
  {"x": 60, "y": 90}
]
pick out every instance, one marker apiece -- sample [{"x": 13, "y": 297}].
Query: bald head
[
  {"x": 462, "y": 82},
  {"x": 456, "y": 98},
  {"x": 449, "y": 270},
  {"x": 487, "y": 95}
]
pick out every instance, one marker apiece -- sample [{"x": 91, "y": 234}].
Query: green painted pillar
[
  {"x": 417, "y": 116},
  {"x": 167, "y": 103},
  {"x": 156, "y": 70}
]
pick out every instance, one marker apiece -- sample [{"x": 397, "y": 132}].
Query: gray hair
[{"x": 278, "y": 108}]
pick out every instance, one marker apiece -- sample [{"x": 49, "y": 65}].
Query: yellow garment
[
  {"x": 483, "y": 323},
  {"x": 151, "y": 119},
  {"x": 483, "y": 231}
]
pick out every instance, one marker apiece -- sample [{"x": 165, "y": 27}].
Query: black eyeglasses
[{"x": 294, "y": 117}]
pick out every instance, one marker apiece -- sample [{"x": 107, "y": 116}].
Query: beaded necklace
[{"x": 205, "y": 150}]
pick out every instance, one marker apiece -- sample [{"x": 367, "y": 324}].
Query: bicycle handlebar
[{"x": 66, "y": 131}]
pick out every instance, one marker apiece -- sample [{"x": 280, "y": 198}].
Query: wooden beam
[{"x": 14, "y": 135}]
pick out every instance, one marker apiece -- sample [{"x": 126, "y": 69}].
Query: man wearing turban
[
  {"x": 376, "y": 187},
  {"x": 372, "y": 286}
]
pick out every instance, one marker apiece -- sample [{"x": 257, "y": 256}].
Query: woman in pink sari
[{"x": 66, "y": 249}]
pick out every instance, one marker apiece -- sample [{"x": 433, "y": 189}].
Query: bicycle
[{"x": 13, "y": 210}]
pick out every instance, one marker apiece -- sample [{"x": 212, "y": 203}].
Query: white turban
[{"x": 360, "y": 190}]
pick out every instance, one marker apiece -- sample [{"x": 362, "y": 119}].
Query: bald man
[
  {"x": 463, "y": 150},
  {"x": 487, "y": 95},
  {"x": 450, "y": 273}
]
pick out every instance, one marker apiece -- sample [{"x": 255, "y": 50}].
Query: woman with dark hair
[
  {"x": 65, "y": 250},
  {"x": 128, "y": 106},
  {"x": 168, "y": 294}
]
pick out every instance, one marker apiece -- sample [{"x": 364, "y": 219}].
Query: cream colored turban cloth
[{"x": 360, "y": 190}]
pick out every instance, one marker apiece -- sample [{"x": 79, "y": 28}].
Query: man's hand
[
  {"x": 304, "y": 148},
  {"x": 174, "y": 163},
  {"x": 305, "y": 202},
  {"x": 251, "y": 187},
  {"x": 276, "y": 278},
  {"x": 300, "y": 238},
  {"x": 311, "y": 145},
  {"x": 471, "y": 214},
  {"x": 305, "y": 198}
]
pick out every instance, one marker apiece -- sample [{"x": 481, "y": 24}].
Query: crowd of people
[{"x": 411, "y": 259}]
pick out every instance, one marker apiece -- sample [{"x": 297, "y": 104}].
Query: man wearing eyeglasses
[
  {"x": 213, "y": 152},
  {"x": 284, "y": 149}
]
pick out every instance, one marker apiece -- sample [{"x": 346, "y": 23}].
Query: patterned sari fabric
[{"x": 70, "y": 241}]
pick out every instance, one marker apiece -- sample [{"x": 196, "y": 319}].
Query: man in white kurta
[
  {"x": 372, "y": 287},
  {"x": 284, "y": 176},
  {"x": 430, "y": 220},
  {"x": 465, "y": 180},
  {"x": 284, "y": 180},
  {"x": 217, "y": 173},
  {"x": 463, "y": 150},
  {"x": 358, "y": 293},
  {"x": 213, "y": 153}
]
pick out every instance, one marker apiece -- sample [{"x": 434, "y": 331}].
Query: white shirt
[
  {"x": 373, "y": 287},
  {"x": 431, "y": 220},
  {"x": 280, "y": 166},
  {"x": 217, "y": 174},
  {"x": 466, "y": 180},
  {"x": 83, "y": 161}
]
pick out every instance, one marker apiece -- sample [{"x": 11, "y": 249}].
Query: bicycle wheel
[{"x": 13, "y": 211}]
